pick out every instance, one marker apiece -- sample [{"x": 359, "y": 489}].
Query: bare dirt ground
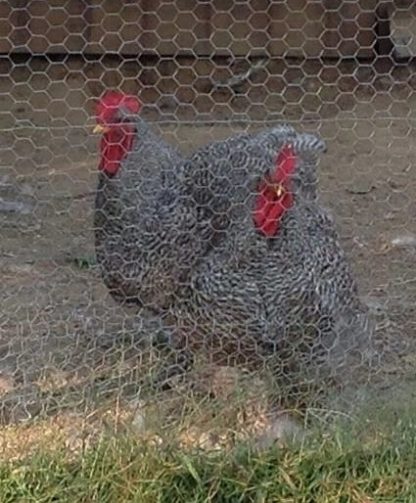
[{"x": 62, "y": 340}]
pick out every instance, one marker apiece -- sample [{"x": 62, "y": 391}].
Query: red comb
[
  {"x": 270, "y": 207},
  {"x": 112, "y": 100}
]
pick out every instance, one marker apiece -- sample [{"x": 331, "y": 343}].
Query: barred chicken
[
  {"x": 135, "y": 228},
  {"x": 279, "y": 283}
]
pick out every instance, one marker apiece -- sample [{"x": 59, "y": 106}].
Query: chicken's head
[
  {"x": 275, "y": 196},
  {"x": 114, "y": 114}
]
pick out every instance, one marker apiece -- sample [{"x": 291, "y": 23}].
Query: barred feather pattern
[{"x": 263, "y": 290}]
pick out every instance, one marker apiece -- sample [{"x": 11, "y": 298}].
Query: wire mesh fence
[{"x": 74, "y": 356}]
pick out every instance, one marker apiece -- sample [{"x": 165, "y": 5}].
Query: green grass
[{"x": 337, "y": 468}]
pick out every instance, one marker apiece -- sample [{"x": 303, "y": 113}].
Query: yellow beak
[
  {"x": 279, "y": 190},
  {"x": 99, "y": 129}
]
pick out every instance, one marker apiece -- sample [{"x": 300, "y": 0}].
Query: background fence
[
  {"x": 218, "y": 28},
  {"x": 203, "y": 70}
]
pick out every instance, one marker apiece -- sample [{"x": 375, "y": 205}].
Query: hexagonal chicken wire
[{"x": 203, "y": 71}]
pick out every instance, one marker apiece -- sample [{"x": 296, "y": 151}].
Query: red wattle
[
  {"x": 274, "y": 216},
  {"x": 270, "y": 210},
  {"x": 115, "y": 145}
]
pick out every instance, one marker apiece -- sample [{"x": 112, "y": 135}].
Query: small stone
[
  {"x": 361, "y": 187},
  {"x": 7, "y": 384},
  {"x": 14, "y": 207},
  {"x": 404, "y": 241}
]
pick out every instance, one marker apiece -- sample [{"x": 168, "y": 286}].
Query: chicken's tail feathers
[
  {"x": 283, "y": 129},
  {"x": 303, "y": 144},
  {"x": 308, "y": 144}
]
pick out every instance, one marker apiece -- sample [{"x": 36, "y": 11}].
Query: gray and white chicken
[{"x": 182, "y": 238}]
